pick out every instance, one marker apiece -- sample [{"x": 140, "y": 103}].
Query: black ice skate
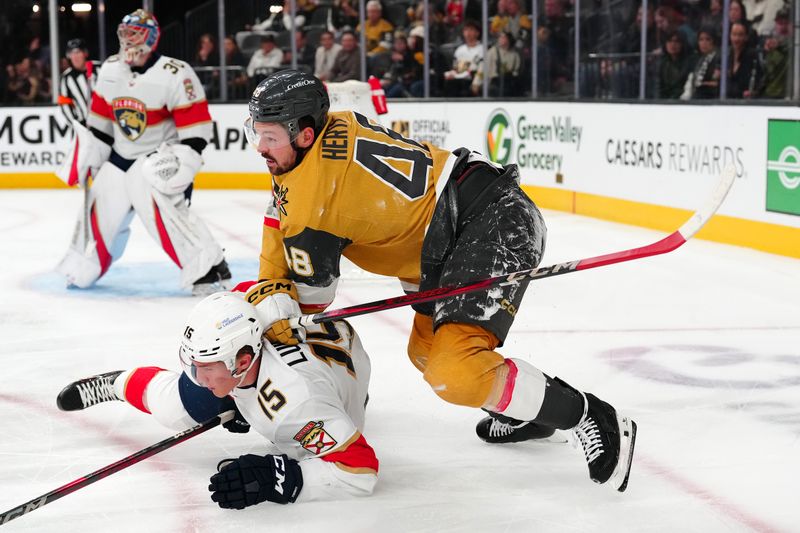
[
  {"x": 499, "y": 429},
  {"x": 88, "y": 392},
  {"x": 217, "y": 279},
  {"x": 607, "y": 440}
]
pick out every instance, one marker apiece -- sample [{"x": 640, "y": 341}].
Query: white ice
[{"x": 700, "y": 346}]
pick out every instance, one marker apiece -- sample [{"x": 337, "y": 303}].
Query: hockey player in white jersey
[
  {"x": 148, "y": 125},
  {"x": 308, "y": 399}
]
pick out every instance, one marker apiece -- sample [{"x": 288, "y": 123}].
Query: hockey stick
[
  {"x": 667, "y": 244},
  {"x": 106, "y": 471}
]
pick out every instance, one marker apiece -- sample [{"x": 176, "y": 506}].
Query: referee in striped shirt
[{"x": 77, "y": 82}]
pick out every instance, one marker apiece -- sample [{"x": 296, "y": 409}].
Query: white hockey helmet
[{"x": 217, "y": 329}]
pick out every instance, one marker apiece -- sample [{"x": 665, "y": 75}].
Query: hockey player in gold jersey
[{"x": 343, "y": 185}]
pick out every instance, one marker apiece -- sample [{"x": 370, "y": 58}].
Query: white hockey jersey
[
  {"x": 166, "y": 103},
  {"x": 309, "y": 400}
]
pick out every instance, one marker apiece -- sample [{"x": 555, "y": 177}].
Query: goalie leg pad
[
  {"x": 181, "y": 233},
  {"x": 101, "y": 231}
]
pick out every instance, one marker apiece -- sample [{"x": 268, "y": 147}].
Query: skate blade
[{"x": 619, "y": 479}]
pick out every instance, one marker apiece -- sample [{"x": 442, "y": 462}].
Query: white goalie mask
[{"x": 217, "y": 328}]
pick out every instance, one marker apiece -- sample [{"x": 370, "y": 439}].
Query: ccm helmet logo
[{"x": 299, "y": 84}]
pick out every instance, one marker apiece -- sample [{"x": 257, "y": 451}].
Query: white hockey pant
[{"x": 102, "y": 230}]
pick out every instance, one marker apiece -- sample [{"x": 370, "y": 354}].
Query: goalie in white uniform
[
  {"x": 148, "y": 126},
  {"x": 308, "y": 399}
]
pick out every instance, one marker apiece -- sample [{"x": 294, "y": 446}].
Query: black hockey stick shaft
[
  {"x": 667, "y": 244},
  {"x": 106, "y": 471}
]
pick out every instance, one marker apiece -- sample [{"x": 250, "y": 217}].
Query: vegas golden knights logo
[
  {"x": 401, "y": 127},
  {"x": 131, "y": 116}
]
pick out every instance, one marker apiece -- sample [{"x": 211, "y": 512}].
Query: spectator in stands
[
  {"x": 703, "y": 81},
  {"x": 503, "y": 64},
  {"x": 436, "y": 63},
  {"x": 233, "y": 56},
  {"x": 761, "y": 15},
  {"x": 403, "y": 71},
  {"x": 675, "y": 64},
  {"x": 205, "y": 57},
  {"x": 514, "y": 21},
  {"x": 557, "y": 37},
  {"x": 345, "y": 14},
  {"x": 305, "y": 53},
  {"x": 744, "y": 70},
  {"x": 325, "y": 55},
  {"x": 267, "y": 57},
  {"x": 438, "y": 29},
  {"x": 466, "y": 60},
  {"x": 777, "y": 56},
  {"x": 454, "y": 12},
  {"x": 347, "y": 65},
  {"x": 633, "y": 38},
  {"x": 237, "y": 77},
  {"x": 554, "y": 69},
  {"x": 713, "y": 17},
  {"x": 377, "y": 30},
  {"x": 667, "y": 21},
  {"x": 282, "y": 20},
  {"x": 27, "y": 82},
  {"x": 206, "y": 54},
  {"x": 738, "y": 13}
]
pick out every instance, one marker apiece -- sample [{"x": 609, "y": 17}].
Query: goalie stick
[
  {"x": 667, "y": 244},
  {"x": 106, "y": 471}
]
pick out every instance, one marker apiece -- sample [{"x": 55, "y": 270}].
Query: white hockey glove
[
  {"x": 172, "y": 168},
  {"x": 276, "y": 303},
  {"x": 85, "y": 155}
]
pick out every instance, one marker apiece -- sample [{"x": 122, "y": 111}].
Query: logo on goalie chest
[{"x": 131, "y": 116}]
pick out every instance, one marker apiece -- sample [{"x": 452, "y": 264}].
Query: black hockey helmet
[{"x": 287, "y": 96}]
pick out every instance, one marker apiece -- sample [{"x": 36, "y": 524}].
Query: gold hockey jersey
[{"x": 362, "y": 191}]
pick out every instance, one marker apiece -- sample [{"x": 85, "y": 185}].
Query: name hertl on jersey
[
  {"x": 166, "y": 103},
  {"x": 362, "y": 191}
]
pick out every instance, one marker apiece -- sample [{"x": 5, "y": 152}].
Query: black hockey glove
[
  {"x": 237, "y": 424},
  {"x": 253, "y": 479}
]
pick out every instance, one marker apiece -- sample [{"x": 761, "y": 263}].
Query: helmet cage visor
[{"x": 270, "y": 137}]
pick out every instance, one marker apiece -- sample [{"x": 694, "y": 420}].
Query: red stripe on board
[
  {"x": 272, "y": 222},
  {"x": 100, "y": 245},
  {"x": 667, "y": 244},
  {"x": 166, "y": 243},
  {"x": 508, "y": 390},
  {"x": 137, "y": 384},
  {"x": 190, "y": 115}
]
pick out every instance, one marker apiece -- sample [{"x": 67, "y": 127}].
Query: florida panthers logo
[{"x": 131, "y": 116}]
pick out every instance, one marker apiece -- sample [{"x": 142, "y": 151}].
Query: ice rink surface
[{"x": 701, "y": 346}]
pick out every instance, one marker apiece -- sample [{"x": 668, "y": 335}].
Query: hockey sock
[
  {"x": 523, "y": 392},
  {"x": 131, "y": 386}
]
